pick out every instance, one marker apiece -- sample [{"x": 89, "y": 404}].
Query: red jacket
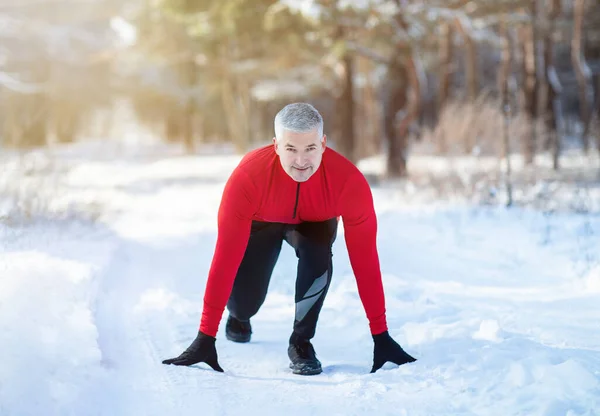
[{"x": 259, "y": 189}]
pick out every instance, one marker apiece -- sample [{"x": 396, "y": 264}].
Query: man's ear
[
  {"x": 275, "y": 143},
  {"x": 324, "y": 141}
]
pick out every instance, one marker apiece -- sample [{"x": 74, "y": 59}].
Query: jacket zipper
[{"x": 296, "y": 203}]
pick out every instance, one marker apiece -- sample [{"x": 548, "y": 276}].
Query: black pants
[{"x": 312, "y": 242}]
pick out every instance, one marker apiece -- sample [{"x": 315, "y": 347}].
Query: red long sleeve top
[{"x": 259, "y": 189}]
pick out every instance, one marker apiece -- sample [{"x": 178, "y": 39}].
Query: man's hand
[
  {"x": 386, "y": 349},
  {"x": 202, "y": 350}
]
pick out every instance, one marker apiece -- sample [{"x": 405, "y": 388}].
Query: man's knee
[
  {"x": 245, "y": 308},
  {"x": 318, "y": 255},
  {"x": 315, "y": 241}
]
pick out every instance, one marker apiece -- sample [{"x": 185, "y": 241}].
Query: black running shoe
[
  {"x": 303, "y": 357},
  {"x": 238, "y": 331}
]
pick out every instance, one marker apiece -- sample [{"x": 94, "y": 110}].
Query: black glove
[
  {"x": 386, "y": 349},
  {"x": 202, "y": 350}
]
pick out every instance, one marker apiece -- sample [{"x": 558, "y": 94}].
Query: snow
[
  {"x": 126, "y": 31},
  {"x": 500, "y": 307},
  {"x": 14, "y": 84}
]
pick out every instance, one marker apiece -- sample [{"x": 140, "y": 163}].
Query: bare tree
[
  {"x": 552, "y": 86},
  {"x": 404, "y": 100},
  {"x": 446, "y": 63},
  {"x": 472, "y": 75},
  {"x": 504, "y": 86},
  {"x": 345, "y": 101},
  {"x": 446, "y": 72},
  {"x": 531, "y": 70},
  {"x": 582, "y": 71}
]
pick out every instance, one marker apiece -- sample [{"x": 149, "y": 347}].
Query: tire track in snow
[
  {"x": 134, "y": 338},
  {"x": 134, "y": 386}
]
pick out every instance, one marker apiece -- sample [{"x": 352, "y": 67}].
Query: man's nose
[{"x": 300, "y": 159}]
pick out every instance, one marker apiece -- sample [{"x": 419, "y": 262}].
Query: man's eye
[
  {"x": 289, "y": 149},
  {"x": 310, "y": 149}
]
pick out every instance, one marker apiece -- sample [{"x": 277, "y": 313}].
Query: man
[{"x": 294, "y": 190}]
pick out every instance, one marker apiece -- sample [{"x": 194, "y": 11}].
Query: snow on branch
[
  {"x": 16, "y": 85},
  {"x": 29, "y": 4},
  {"x": 368, "y": 53},
  {"x": 9, "y": 26}
]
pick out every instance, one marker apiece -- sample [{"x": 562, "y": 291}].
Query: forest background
[{"x": 495, "y": 100}]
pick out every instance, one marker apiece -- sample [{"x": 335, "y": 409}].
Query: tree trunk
[
  {"x": 405, "y": 75},
  {"x": 65, "y": 124},
  {"x": 189, "y": 112},
  {"x": 35, "y": 133},
  {"x": 244, "y": 105},
  {"x": 30, "y": 120},
  {"x": 395, "y": 99},
  {"x": 415, "y": 75},
  {"x": 236, "y": 122},
  {"x": 553, "y": 117},
  {"x": 531, "y": 63},
  {"x": 504, "y": 75},
  {"x": 373, "y": 116},
  {"x": 365, "y": 113},
  {"x": 446, "y": 64},
  {"x": 188, "y": 126},
  {"x": 172, "y": 128},
  {"x": 598, "y": 100},
  {"x": 582, "y": 71},
  {"x": 345, "y": 103},
  {"x": 446, "y": 71},
  {"x": 235, "y": 96},
  {"x": 472, "y": 76},
  {"x": 400, "y": 111},
  {"x": 598, "y": 110}
]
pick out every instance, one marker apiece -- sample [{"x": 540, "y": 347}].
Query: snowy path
[{"x": 502, "y": 310}]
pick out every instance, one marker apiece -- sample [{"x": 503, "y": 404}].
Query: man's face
[{"x": 300, "y": 154}]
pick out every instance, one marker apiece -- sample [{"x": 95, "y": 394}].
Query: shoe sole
[
  {"x": 305, "y": 370},
  {"x": 238, "y": 338}
]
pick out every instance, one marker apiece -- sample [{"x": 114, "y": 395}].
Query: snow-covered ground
[{"x": 500, "y": 307}]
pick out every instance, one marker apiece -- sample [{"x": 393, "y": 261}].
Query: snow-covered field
[{"x": 500, "y": 307}]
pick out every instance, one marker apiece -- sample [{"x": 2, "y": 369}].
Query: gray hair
[{"x": 299, "y": 118}]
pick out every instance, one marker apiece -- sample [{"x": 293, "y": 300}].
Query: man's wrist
[
  {"x": 202, "y": 335},
  {"x": 381, "y": 336}
]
